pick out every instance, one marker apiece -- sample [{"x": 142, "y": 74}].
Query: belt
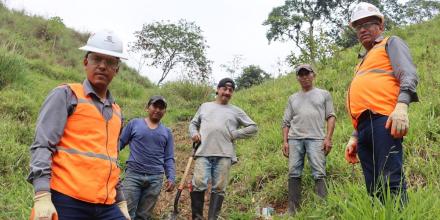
[{"x": 367, "y": 114}]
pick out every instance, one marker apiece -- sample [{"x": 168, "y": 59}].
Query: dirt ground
[{"x": 182, "y": 151}]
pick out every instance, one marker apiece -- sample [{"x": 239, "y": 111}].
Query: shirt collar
[
  {"x": 379, "y": 39},
  {"x": 88, "y": 89},
  {"x": 376, "y": 41}
]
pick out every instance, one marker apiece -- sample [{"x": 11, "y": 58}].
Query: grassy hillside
[
  {"x": 260, "y": 179},
  {"x": 34, "y": 59}
]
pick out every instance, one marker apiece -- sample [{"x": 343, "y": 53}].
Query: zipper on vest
[{"x": 109, "y": 160}]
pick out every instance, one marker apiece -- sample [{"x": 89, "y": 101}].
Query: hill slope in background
[
  {"x": 260, "y": 179},
  {"x": 36, "y": 55}
]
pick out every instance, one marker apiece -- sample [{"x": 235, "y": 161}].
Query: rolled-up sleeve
[
  {"x": 404, "y": 69},
  {"x": 49, "y": 129}
]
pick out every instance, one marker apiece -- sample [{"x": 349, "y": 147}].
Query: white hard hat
[
  {"x": 363, "y": 10},
  {"x": 105, "y": 42}
]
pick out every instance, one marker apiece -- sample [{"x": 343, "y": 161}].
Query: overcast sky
[{"x": 231, "y": 27}]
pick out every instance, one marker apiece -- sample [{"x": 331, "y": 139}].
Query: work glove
[
  {"x": 351, "y": 151},
  {"x": 123, "y": 207},
  {"x": 398, "y": 121},
  {"x": 43, "y": 207}
]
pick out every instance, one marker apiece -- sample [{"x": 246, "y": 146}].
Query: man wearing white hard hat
[
  {"x": 383, "y": 86},
  {"x": 73, "y": 166}
]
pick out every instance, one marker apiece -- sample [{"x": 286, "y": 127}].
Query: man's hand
[
  {"x": 351, "y": 151},
  {"x": 123, "y": 207},
  {"x": 286, "y": 149},
  {"x": 327, "y": 146},
  {"x": 398, "y": 121},
  {"x": 169, "y": 186},
  {"x": 196, "y": 138},
  {"x": 43, "y": 207}
]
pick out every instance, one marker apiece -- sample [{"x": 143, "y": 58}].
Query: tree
[
  {"x": 55, "y": 27},
  {"x": 298, "y": 20},
  {"x": 168, "y": 45},
  {"x": 420, "y": 10},
  {"x": 252, "y": 75},
  {"x": 317, "y": 26}
]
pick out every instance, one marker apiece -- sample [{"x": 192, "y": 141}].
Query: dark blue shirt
[{"x": 151, "y": 150}]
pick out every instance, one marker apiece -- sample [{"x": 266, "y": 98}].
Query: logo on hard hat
[
  {"x": 109, "y": 39},
  {"x": 371, "y": 9}
]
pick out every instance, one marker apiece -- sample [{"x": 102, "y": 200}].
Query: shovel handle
[{"x": 188, "y": 165}]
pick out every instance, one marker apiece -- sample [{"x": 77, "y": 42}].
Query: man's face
[
  {"x": 100, "y": 69},
  {"x": 156, "y": 111},
  {"x": 224, "y": 93},
  {"x": 305, "y": 79},
  {"x": 367, "y": 30}
]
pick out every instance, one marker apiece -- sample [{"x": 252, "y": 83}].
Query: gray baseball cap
[
  {"x": 308, "y": 67},
  {"x": 155, "y": 99}
]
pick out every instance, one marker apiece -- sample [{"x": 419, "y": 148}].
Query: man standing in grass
[
  {"x": 304, "y": 120},
  {"x": 216, "y": 125},
  {"x": 151, "y": 155},
  {"x": 74, "y": 155},
  {"x": 384, "y": 84}
]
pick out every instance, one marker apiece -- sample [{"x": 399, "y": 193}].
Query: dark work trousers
[
  {"x": 69, "y": 208},
  {"x": 381, "y": 157}
]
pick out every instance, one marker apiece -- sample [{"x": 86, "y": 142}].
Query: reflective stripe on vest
[
  {"x": 88, "y": 154},
  {"x": 374, "y": 86},
  {"x": 84, "y": 166}
]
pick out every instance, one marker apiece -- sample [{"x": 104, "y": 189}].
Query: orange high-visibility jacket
[
  {"x": 374, "y": 86},
  {"x": 85, "y": 164}
]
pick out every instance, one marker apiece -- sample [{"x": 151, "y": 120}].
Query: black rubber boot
[
  {"x": 294, "y": 194},
  {"x": 215, "y": 205},
  {"x": 321, "y": 188},
  {"x": 197, "y": 202}
]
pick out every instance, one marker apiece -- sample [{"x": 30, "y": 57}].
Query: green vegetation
[
  {"x": 261, "y": 175},
  {"x": 32, "y": 65}
]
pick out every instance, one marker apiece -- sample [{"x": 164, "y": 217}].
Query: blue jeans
[
  {"x": 215, "y": 169},
  {"x": 297, "y": 150},
  {"x": 141, "y": 192},
  {"x": 69, "y": 208},
  {"x": 381, "y": 157}
]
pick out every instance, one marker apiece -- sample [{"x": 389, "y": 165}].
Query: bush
[
  {"x": 11, "y": 68},
  {"x": 24, "y": 110},
  {"x": 193, "y": 93}
]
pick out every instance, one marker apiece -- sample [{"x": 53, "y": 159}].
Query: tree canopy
[
  {"x": 167, "y": 45},
  {"x": 252, "y": 75}
]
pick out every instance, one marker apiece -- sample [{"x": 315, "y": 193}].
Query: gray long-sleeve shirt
[
  {"x": 403, "y": 67},
  {"x": 219, "y": 125},
  {"x": 59, "y": 104}
]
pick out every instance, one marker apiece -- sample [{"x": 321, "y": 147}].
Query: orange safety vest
[
  {"x": 374, "y": 86},
  {"x": 85, "y": 164}
]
